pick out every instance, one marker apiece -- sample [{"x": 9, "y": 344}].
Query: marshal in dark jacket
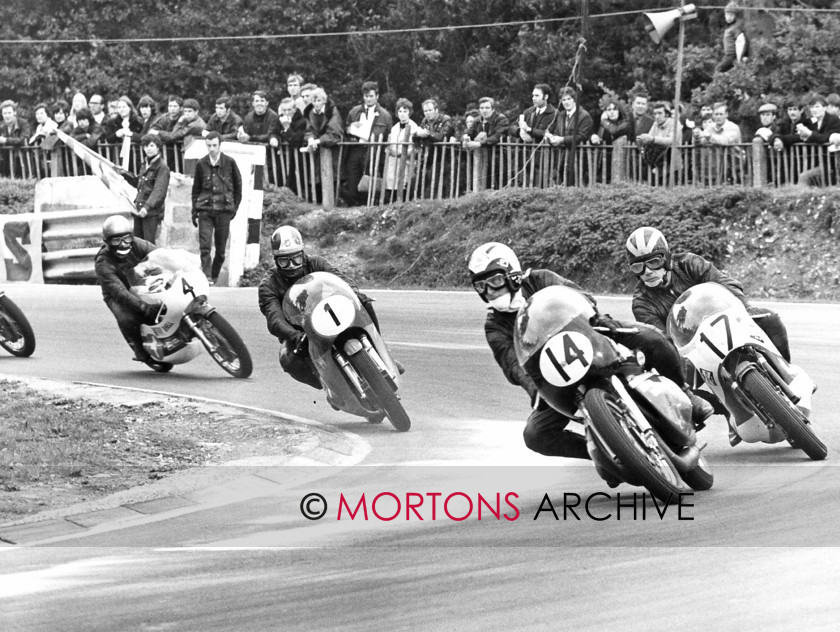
[
  {"x": 217, "y": 189},
  {"x": 152, "y": 185}
]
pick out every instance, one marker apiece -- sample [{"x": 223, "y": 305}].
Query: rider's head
[
  {"x": 648, "y": 256},
  {"x": 496, "y": 276},
  {"x": 118, "y": 234},
  {"x": 287, "y": 249}
]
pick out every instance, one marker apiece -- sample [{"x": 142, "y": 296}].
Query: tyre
[
  {"x": 784, "y": 414},
  {"x": 226, "y": 347},
  {"x": 700, "y": 478},
  {"x": 385, "y": 396},
  {"x": 613, "y": 423},
  {"x": 16, "y": 335}
]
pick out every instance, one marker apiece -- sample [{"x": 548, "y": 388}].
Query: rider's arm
[
  {"x": 319, "y": 264},
  {"x": 546, "y": 278},
  {"x": 500, "y": 339},
  {"x": 700, "y": 270},
  {"x": 645, "y": 310},
  {"x": 271, "y": 305}
]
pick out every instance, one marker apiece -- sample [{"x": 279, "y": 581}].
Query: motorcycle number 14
[
  {"x": 566, "y": 358},
  {"x": 333, "y": 315}
]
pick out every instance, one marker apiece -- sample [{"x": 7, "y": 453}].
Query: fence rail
[{"x": 405, "y": 171}]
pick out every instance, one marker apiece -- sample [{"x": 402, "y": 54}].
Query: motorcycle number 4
[
  {"x": 566, "y": 358},
  {"x": 333, "y": 315}
]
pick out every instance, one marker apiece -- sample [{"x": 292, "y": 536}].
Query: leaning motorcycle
[
  {"x": 16, "y": 334},
  {"x": 347, "y": 352},
  {"x": 187, "y": 323},
  {"x": 637, "y": 423},
  {"x": 767, "y": 398}
]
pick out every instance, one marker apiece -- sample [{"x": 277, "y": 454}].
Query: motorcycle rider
[
  {"x": 120, "y": 253},
  {"x": 291, "y": 264},
  {"x": 498, "y": 279},
  {"x": 663, "y": 277}
]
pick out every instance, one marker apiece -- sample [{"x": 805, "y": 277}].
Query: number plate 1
[{"x": 333, "y": 315}]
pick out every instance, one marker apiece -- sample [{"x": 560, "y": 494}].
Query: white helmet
[
  {"x": 494, "y": 260},
  {"x": 286, "y": 240},
  {"x": 645, "y": 242}
]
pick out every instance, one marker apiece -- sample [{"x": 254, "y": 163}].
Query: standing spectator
[
  {"x": 368, "y": 122},
  {"x": 832, "y": 104},
  {"x": 87, "y": 130},
  {"x": 572, "y": 129},
  {"x": 260, "y": 124},
  {"x": 216, "y": 194},
  {"x": 735, "y": 42},
  {"x": 787, "y": 135},
  {"x": 722, "y": 131},
  {"x": 537, "y": 119},
  {"x": 225, "y": 121},
  {"x": 489, "y": 128},
  {"x": 768, "y": 128},
  {"x": 818, "y": 131},
  {"x": 398, "y": 165},
  {"x": 96, "y": 103},
  {"x": 46, "y": 126},
  {"x": 148, "y": 113},
  {"x": 60, "y": 114},
  {"x": 166, "y": 122},
  {"x": 640, "y": 120},
  {"x": 14, "y": 132},
  {"x": 435, "y": 127},
  {"x": 125, "y": 124},
  {"x": 79, "y": 102},
  {"x": 725, "y": 162},
  {"x": 613, "y": 133},
  {"x": 305, "y": 97},
  {"x": 656, "y": 143},
  {"x": 187, "y": 128},
  {"x": 293, "y": 86},
  {"x": 152, "y": 186},
  {"x": 323, "y": 129},
  {"x": 747, "y": 113},
  {"x": 290, "y": 131}
]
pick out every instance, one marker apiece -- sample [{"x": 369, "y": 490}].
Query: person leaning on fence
[
  {"x": 323, "y": 130},
  {"x": 294, "y": 83},
  {"x": 400, "y": 151},
  {"x": 225, "y": 121},
  {"x": 436, "y": 127},
  {"x": 613, "y": 131},
  {"x": 305, "y": 99},
  {"x": 46, "y": 127},
  {"x": 367, "y": 122},
  {"x": 166, "y": 122},
  {"x": 216, "y": 194},
  {"x": 488, "y": 129},
  {"x": 533, "y": 123},
  {"x": 152, "y": 187},
  {"x": 147, "y": 108},
  {"x": 768, "y": 127},
  {"x": 60, "y": 111},
  {"x": 96, "y": 106},
  {"x": 656, "y": 143},
  {"x": 189, "y": 126},
  {"x": 818, "y": 131},
  {"x": 79, "y": 101},
  {"x": 87, "y": 130},
  {"x": 260, "y": 124},
  {"x": 788, "y": 135},
  {"x": 572, "y": 129},
  {"x": 14, "y": 131},
  {"x": 126, "y": 124},
  {"x": 288, "y": 139},
  {"x": 640, "y": 120}
]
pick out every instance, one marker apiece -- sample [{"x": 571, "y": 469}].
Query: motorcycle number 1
[
  {"x": 566, "y": 358},
  {"x": 333, "y": 315}
]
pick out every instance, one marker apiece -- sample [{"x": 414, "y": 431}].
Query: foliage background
[{"x": 793, "y": 52}]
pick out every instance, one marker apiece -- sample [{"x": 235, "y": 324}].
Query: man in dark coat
[
  {"x": 152, "y": 187},
  {"x": 216, "y": 194}
]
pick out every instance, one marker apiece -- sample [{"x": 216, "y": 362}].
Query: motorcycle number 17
[
  {"x": 566, "y": 358},
  {"x": 718, "y": 336}
]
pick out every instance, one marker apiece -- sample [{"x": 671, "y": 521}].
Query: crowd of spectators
[{"x": 308, "y": 119}]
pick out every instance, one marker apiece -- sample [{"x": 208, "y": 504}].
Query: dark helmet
[
  {"x": 287, "y": 249},
  {"x": 494, "y": 260},
  {"x": 118, "y": 234},
  {"x": 645, "y": 243}
]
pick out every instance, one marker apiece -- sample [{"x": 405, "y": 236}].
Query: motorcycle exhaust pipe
[{"x": 688, "y": 457}]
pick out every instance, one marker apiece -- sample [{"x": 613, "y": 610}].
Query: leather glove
[
  {"x": 195, "y": 219},
  {"x": 150, "y": 312},
  {"x": 300, "y": 346}
]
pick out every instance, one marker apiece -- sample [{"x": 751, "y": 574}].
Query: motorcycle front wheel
[
  {"x": 386, "y": 398},
  {"x": 614, "y": 424},
  {"x": 16, "y": 335},
  {"x": 226, "y": 347},
  {"x": 784, "y": 414}
]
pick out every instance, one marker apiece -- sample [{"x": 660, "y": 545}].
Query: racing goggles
[
  {"x": 284, "y": 262},
  {"x": 493, "y": 282},
  {"x": 656, "y": 262},
  {"x": 121, "y": 240}
]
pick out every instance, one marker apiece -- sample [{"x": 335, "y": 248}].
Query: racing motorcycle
[
  {"x": 637, "y": 423},
  {"x": 349, "y": 356},
  {"x": 186, "y": 322},
  {"x": 16, "y": 334},
  {"x": 765, "y": 398}
]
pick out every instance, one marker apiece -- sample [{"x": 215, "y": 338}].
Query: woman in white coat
[{"x": 399, "y": 165}]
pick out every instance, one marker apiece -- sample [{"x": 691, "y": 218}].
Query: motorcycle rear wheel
[
  {"x": 14, "y": 319},
  {"x": 606, "y": 410},
  {"x": 783, "y": 413},
  {"x": 230, "y": 353},
  {"x": 386, "y": 398}
]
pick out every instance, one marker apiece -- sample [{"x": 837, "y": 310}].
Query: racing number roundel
[
  {"x": 566, "y": 358},
  {"x": 333, "y": 315}
]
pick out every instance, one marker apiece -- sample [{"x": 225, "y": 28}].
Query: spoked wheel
[
  {"x": 647, "y": 464},
  {"x": 226, "y": 347},
  {"x": 382, "y": 391},
  {"x": 16, "y": 335},
  {"x": 782, "y": 411}
]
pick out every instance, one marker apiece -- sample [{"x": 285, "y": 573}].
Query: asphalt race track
[{"x": 761, "y": 550}]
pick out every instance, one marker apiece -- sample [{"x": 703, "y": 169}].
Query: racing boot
[
  {"x": 734, "y": 437},
  {"x": 701, "y": 410},
  {"x": 601, "y": 463},
  {"x": 399, "y": 366}
]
